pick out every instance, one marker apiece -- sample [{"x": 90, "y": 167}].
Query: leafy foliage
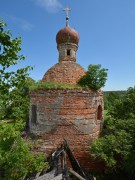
[
  {"x": 16, "y": 160},
  {"x": 124, "y": 108},
  {"x": 116, "y": 146},
  {"x": 111, "y": 96},
  {"x": 95, "y": 77},
  {"x": 9, "y": 56},
  {"x": 15, "y": 104},
  {"x": 14, "y": 100}
]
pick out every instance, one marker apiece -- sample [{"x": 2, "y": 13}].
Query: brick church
[{"x": 73, "y": 114}]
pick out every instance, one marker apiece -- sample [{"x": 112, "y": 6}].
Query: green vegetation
[
  {"x": 53, "y": 85},
  {"x": 111, "y": 96},
  {"x": 13, "y": 90},
  {"x": 116, "y": 146},
  {"x": 95, "y": 77},
  {"x": 10, "y": 56},
  {"x": 125, "y": 107},
  {"x": 16, "y": 159},
  {"x": 15, "y": 104}
]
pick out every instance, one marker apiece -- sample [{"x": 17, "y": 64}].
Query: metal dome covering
[{"x": 67, "y": 35}]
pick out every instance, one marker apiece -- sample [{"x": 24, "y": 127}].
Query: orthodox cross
[{"x": 67, "y": 10}]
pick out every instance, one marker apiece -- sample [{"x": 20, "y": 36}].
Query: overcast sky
[{"x": 106, "y": 29}]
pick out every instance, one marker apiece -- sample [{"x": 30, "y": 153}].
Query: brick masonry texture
[
  {"x": 66, "y": 72},
  {"x": 70, "y": 114},
  {"x": 75, "y": 114}
]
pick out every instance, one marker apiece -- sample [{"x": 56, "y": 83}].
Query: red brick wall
[
  {"x": 69, "y": 114},
  {"x": 78, "y": 142}
]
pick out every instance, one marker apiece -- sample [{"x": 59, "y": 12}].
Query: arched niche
[{"x": 99, "y": 113}]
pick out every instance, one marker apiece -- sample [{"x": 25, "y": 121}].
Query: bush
[
  {"x": 16, "y": 159},
  {"x": 95, "y": 77},
  {"x": 116, "y": 146}
]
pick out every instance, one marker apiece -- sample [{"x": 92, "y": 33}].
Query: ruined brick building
[{"x": 73, "y": 114}]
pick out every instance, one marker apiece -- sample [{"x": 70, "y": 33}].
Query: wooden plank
[
  {"x": 7, "y": 121},
  {"x": 76, "y": 174}
]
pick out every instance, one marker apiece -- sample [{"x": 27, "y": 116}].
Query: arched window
[
  {"x": 68, "y": 52},
  {"x": 99, "y": 113}
]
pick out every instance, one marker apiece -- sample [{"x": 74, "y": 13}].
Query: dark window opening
[
  {"x": 68, "y": 52},
  {"x": 99, "y": 113},
  {"x": 34, "y": 114}
]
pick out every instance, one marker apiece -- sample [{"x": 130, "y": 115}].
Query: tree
[
  {"x": 111, "y": 96},
  {"x": 116, "y": 146},
  {"x": 17, "y": 106},
  {"x": 12, "y": 83},
  {"x": 9, "y": 56},
  {"x": 95, "y": 77},
  {"x": 16, "y": 159},
  {"x": 125, "y": 107}
]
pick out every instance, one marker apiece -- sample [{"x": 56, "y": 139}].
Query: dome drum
[
  {"x": 65, "y": 72},
  {"x": 67, "y": 52},
  {"x": 62, "y": 45}
]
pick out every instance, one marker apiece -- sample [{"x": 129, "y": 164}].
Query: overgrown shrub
[{"x": 95, "y": 77}]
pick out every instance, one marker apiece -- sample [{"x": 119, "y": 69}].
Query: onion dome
[
  {"x": 67, "y": 35},
  {"x": 67, "y": 70}
]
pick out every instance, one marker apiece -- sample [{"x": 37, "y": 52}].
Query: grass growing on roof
[{"x": 53, "y": 85}]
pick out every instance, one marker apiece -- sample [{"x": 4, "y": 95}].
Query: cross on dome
[
  {"x": 67, "y": 34},
  {"x": 67, "y": 10}
]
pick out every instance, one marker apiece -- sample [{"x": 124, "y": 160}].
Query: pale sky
[{"x": 106, "y": 29}]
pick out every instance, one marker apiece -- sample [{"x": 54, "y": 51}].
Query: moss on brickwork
[{"x": 53, "y": 85}]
